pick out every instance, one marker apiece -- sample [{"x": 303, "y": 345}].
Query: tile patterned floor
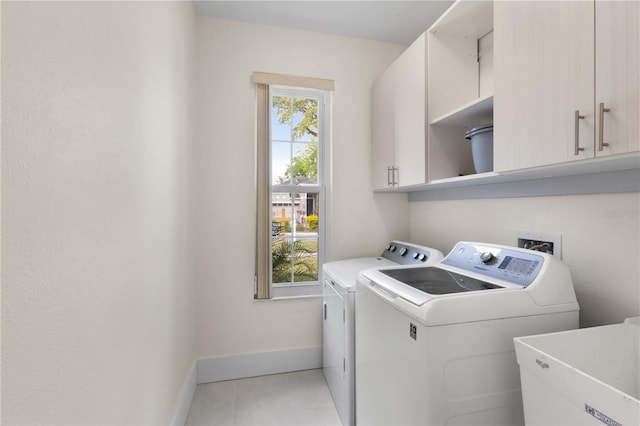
[{"x": 299, "y": 398}]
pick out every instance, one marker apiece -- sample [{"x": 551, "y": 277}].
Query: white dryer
[
  {"x": 435, "y": 344},
  {"x": 338, "y": 289}
]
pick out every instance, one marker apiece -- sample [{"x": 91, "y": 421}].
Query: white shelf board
[
  {"x": 594, "y": 165},
  {"x": 475, "y": 179},
  {"x": 475, "y": 113},
  {"x": 613, "y": 164},
  {"x": 455, "y": 182}
]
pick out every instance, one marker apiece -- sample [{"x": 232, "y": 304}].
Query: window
[{"x": 293, "y": 133}]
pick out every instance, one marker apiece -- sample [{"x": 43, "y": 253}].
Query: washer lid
[
  {"x": 343, "y": 273},
  {"x": 438, "y": 281}
]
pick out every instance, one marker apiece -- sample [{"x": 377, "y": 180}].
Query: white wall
[
  {"x": 229, "y": 320},
  {"x": 600, "y": 240},
  {"x": 97, "y": 307}
]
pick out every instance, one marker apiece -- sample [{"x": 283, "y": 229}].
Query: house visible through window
[{"x": 297, "y": 141}]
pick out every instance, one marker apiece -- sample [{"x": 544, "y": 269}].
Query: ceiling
[{"x": 398, "y": 22}]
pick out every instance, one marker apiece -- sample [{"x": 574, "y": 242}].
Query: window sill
[
  {"x": 289, "y": 291},
  {"x": 310, "y": 296}
]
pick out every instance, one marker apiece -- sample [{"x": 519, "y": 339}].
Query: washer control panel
[
  {"x": 408, "y": 254},
  {"x": 505, "y": 263}
]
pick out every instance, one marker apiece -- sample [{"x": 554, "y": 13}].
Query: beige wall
[
  {"x": 600, "y": 240},
  {"x": 229, "y": 320},
  {"x": 97, "y": 306}
]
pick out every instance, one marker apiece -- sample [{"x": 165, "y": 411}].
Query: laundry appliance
[
  {"x": 339, "y": 284},
  {"x": 435, "y": 345}
]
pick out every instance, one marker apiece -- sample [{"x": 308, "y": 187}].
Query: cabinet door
[
  {"x": 410, "y": 114},
  {"x": 382, "y": 129},
  {"x": 543, "y": 68},
  {"x": 617, "y": 76}
]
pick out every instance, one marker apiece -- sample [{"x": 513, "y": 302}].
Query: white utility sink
[{"x": 582, "y": 377}]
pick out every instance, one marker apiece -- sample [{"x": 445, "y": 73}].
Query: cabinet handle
[
  {"x": 601, "y": 143},
  {"x": 577, "y": 148},
  {"x": 389, "y": 182},
  {"x": 395, "y": 181}
]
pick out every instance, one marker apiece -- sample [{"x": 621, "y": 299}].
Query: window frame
[{"x": 322, "y": 188}]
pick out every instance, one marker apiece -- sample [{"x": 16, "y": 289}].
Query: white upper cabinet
[
  {"x": 410, "y": 114},
  {"x": 547, "y": 107},
  {"x": 617, "y": 77},
  {"x": 398, "y": 121},
  {"x": 383, "y": 130},
  {"x": 439, "y": 88}
]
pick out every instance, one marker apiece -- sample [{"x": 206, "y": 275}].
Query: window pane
[
  {"x": 280, "y": 162},
  {"x": 305, "y": 246},
  {"x": 281, "y": 118},
  {"x": 305, "y": 163},
  {"x": 305, "y": 119},
  {"x": 280, "y": 132},
  {"x": 281, "y": 220},
  {"x": 294, "y": 140},
  {"x": 294, "y": 237}
]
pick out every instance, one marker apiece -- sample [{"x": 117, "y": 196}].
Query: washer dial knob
[
  {"x": 403, "y": 251},
  {"x": 487, "y": 258}
]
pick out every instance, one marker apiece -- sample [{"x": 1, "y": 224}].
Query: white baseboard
[
  {"x": 258, "y": 364},
  {"x": 207, "y": 370},
  {"x": 185, "y": 397}
]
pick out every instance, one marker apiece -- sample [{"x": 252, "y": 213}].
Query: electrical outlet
[{"x": 547, "y": 243}]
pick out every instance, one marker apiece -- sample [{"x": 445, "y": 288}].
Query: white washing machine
[
  {"x": 339, "y": 284},
  {"x": 435, "y": 345}
]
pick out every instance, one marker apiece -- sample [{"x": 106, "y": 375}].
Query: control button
[
  {"x": 415, "y": 255},
  {"x": 487, "y": 258},
  {"x": 422, "y": 257},
  {"x": 403, "y": 251},
  {"x": 392, "y": 248},
  {"x": 388, "y": 246}
]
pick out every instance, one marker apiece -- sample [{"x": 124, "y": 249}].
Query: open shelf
[
  {"x": 459, "y": 86},
  {"x": 475, "y": 113}
]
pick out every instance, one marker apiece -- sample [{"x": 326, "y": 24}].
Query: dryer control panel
[
  {"x": 505, "y": 263},
  {"x": 409, "y": 254}
]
